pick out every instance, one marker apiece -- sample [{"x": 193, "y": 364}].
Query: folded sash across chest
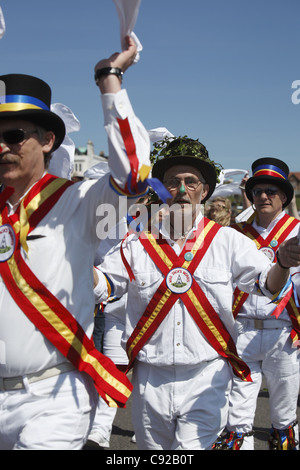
[
  {"x": 45, "y": 311},
  {"x": 273, "y": 241},
  {"x": 186, "y": 288}
]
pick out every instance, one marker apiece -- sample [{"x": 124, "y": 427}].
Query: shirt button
[
  {"x": 178, "y": 323},
  {"x": 178, "y": 344}
]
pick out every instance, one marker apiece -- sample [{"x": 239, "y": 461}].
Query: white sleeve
[{"x": 128, "y": 141}]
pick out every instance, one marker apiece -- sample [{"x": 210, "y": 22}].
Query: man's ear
[
  {"x": 204, "y": 191},
  {"x": 48, "y": 141}
]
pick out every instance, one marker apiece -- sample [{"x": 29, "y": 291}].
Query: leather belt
[{"x": 17, "y": 383}]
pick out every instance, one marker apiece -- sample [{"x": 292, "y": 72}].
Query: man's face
[
  {"x": 23, "y": 161},
  {"x": 186, "y": 186},
  {"x": 268, "y": 199}
]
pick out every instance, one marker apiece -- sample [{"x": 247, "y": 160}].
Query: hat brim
[
  {"x": 207, "y": 170},
  {"x": 46, "y": 119},
  {"x": 284, "y": 185}
]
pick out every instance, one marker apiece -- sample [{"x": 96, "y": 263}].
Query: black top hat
[
  {"x": 187, "y": 152},
  {"x": 29, "y": 98},
  {"x": 273, "y": 171}
]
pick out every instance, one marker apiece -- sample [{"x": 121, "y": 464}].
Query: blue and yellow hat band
[
  {"x": 269, "y": 170},
  {"x": 21, "y": 103}
]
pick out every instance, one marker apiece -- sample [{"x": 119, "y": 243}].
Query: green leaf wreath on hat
[{"x": 185, "y": 151}]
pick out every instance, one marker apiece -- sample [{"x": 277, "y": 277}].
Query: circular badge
[
  {"x": 274, "y": 243},
  {"x": 267, "y": 250},
  {"x": 179, "y": 280},
  {"x": 7, "y": 242},
  {"x": 188, "y": 256}
]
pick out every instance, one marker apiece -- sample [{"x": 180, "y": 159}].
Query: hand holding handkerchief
[{"x": 128, "y": 11}]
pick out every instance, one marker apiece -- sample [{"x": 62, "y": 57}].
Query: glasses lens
[
  {"x": 14, "y": 136},
  {"x": 269, "y": 192},
  {"x": 174, "y": 183}
]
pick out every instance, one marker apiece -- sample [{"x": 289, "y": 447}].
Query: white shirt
[
  {"x": 231, "y": 258},
  {"x": 63, "y": 257},
  {"x": 260, "y": 307}
]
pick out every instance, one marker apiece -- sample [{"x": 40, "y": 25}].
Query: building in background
[{"x": 85, "y": 158}]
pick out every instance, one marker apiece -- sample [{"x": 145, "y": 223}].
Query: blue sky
[{"x": 217, "y": 70}]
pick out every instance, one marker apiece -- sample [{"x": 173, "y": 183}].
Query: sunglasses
[
  {"x": 15, "y": 136},
  {"x": 268, "y": 191}
]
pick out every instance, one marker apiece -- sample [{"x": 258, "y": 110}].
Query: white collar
[{"x": 270, "y": 227}]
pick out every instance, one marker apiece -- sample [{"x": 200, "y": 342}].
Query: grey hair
[{"x": 41, "y": 134}]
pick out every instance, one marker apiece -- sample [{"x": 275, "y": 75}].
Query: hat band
[
  {"x": 269, "y": 170},
  {"x": 21, "y": 103}
]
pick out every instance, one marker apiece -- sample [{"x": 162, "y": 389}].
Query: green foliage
[{"x": 177, "y": 146}]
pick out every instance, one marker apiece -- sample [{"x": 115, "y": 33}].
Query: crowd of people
[{"x": 198, "y": 309}]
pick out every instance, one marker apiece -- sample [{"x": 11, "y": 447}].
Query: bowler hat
[
  {"x": 272, "y": 171},
  {"x": 29, "y": 98},
  {"x": 187, "y": 152}
]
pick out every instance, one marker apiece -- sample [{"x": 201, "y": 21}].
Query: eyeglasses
[
  {"x": 15, "y": 136},
  {"x": 190, "y": 183},
  {"x": 270, "y": 192}
]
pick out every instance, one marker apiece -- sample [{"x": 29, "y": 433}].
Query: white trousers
[
  {"x": 52, "y": 414},
  {"x": 112, "y": 348},
  {"x": 180, "y": 407},
  {"x": 267, "y": 352}
]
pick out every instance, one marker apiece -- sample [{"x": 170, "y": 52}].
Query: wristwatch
[{"x": 108, "y": 71}]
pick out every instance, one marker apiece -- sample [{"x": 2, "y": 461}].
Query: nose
[{"x": 182, "y": 189}]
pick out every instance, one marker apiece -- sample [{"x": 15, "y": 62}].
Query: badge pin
[
  {"x": 7, "y": 242},
  {"x": 274, "y": 243},
  {"x": 267, "y": 250},
  {"x": 179, "y": 280},
  {"x": 188, "y": 256}
]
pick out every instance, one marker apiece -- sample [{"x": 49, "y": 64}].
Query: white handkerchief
[
  {"x": 155, "y": 135},
  {"x": 227, "y": 189},
  {"x": 128, "y": 11},
  {"x": 97, "y": 171},
  {"x": 2, "y": 24},
  {"x": 62, "y": 161}
]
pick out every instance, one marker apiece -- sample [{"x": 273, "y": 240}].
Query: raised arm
[
  {"x": 128, "y": 140},
  {"x": 108, "y": 80}
]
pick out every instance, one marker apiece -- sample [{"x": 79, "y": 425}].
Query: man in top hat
[
  {"x": 268, "y": 336},
  {"x": 179, "y": 275},
  {"x": 51, "y": 375}
]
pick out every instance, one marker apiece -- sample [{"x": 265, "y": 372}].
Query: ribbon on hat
[
  {"x": 2, "y": 24},
  {"x": 128, "y": 11},
  {"x": 269, "y": 170},
  {"x": 62, "y": 161}
]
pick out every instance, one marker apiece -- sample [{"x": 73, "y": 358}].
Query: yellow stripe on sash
[
  {"x": 50, "y": 316},
  {"x": 149, "y": 322},
  {"x": 159, "y": 250}
]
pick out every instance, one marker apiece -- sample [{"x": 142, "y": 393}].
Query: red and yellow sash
[
  {"x": 279, "y": 234},
  {"x": 45, "y": 310},
  {"x": 194, "y": 299}
]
